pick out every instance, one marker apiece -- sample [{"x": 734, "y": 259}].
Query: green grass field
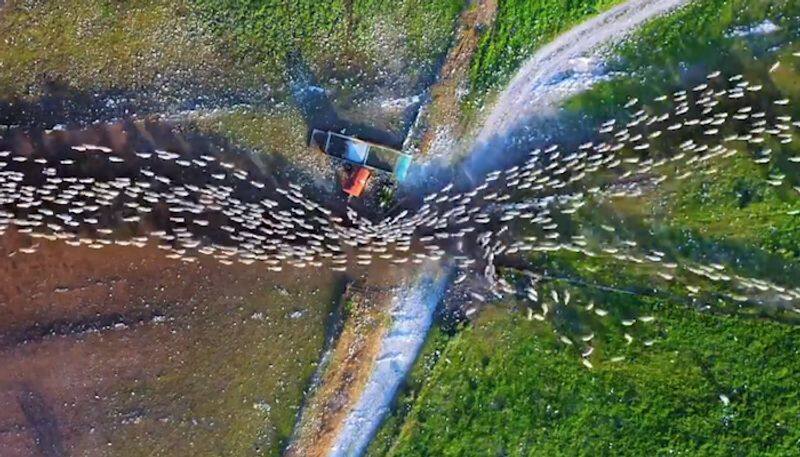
[
  {"x": 101, "y": 45},
  {"x": 735, "y": 205},
  {"x": 507, "y": 387},
  {"x": 351, "y": 39}
]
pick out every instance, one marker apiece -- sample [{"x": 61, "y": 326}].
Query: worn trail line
[{"x": 522, "y": 99}]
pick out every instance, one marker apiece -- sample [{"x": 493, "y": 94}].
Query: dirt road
[{"x": 523, "y": 98}]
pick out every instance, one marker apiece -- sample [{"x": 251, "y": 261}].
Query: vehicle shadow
[{"x": 319, "y": 111}]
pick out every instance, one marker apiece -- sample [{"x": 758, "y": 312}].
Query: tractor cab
[{"x": 368, "y": 157}]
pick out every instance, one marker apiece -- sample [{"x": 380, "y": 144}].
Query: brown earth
[
  {"x": 102, "y": 349},
  {"x": 445, "y": 106},
  {"x": 347, "y": 371}
]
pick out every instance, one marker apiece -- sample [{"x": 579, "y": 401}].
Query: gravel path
[
  {"x": 412, "y": 315},
  {"x": 524, "y": 97}
]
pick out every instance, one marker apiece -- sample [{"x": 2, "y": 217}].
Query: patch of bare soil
[
  {"x": 84, "y": 329},
  {"x": 445, "y": 107}
]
